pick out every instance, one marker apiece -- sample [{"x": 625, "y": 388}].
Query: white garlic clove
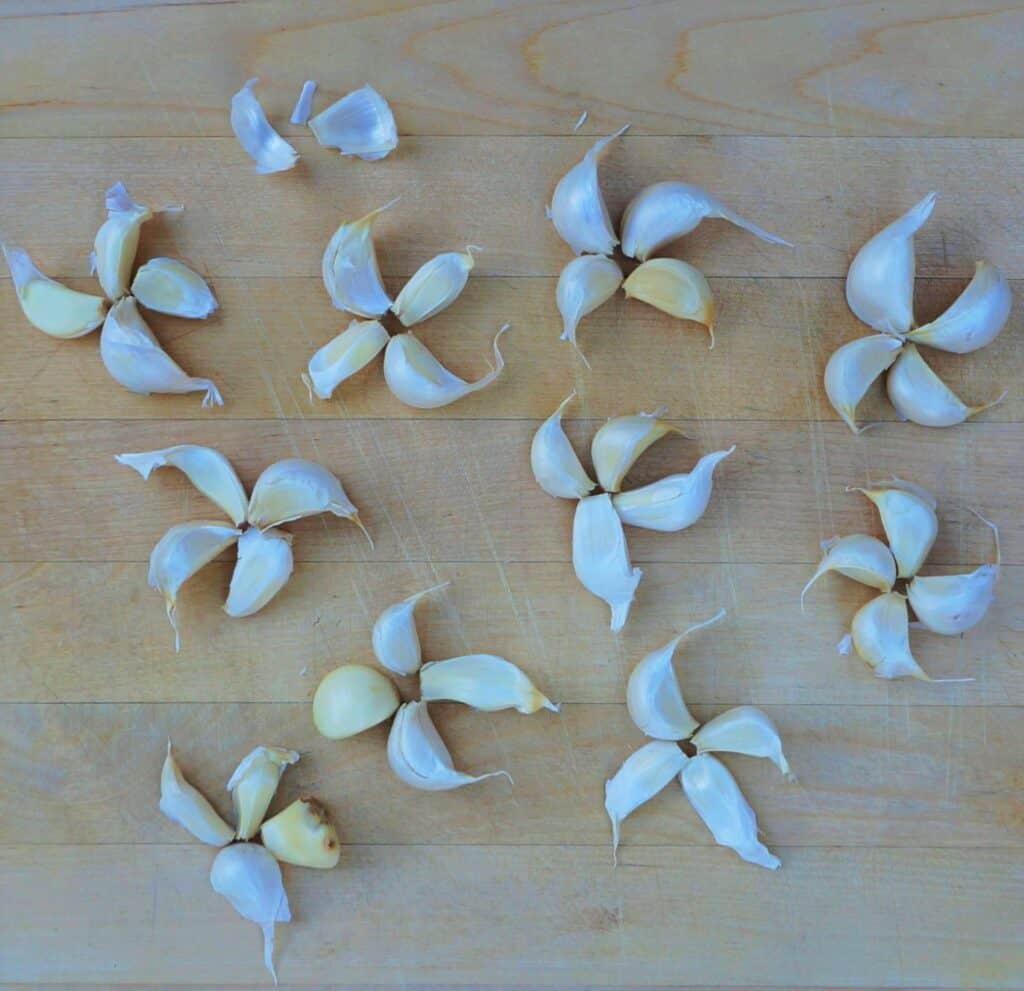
[
  {"x": 853, "y": 368},
  {"x": 619, "y": 443},
  {"x": 881, "y": 636},
  {"x": 351, "y": 351},
  {"x": 208, "y": 470},
  {"x": 667, "y": 210},
  {"x": 743, "y": 730},
  {"x": 672, "y": 503},
  {"x": 188, "y": 807},
  {"x": 717, "y": 799},
  {"x": 880, "y": 282},
  {"x": 396, "y": 644},
  {"x": 434, "y": 286},
  {"x": 302, "y": 834},
  {"x": 350, "y": 271},
  {"x": 600, "y": 556},
  {"x": 304, "y": 104},
  {"x": 675, "y": 288},
  {"x": 117, "y": 240},
  {"x": 360, "y": 123},
  {"x": 584, "y": 284},
  {"x": 254, "y": 783},
  {"x": 261, "y": 142},
  {"x": 168, "y": 286},
  {"x": 577, "y": 207},
  {"x": 908, "y": 517},
  {"x": 418, "y": 756},
  {"x": 351, "y": 699},
  {"x": 264, "y": 566},
  {"x": 860, "y": 557},
  {"x": 555, "y": 464},
  {"x": 484, "y": 682}
]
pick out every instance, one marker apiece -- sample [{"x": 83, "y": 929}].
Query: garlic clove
[
  {"x": 261, "y": 142},
  {"x": 675, "y": 288},
  {"x": 908, "y": 518},
  {"x": 600, "y": 556},
  {"x": 653, "y": 697},
  {"x": 743, "y": 730},
  {"x": 881, "y": 636},
  {"x": 302, "y": 835},
  {"x": 717, "y": 799},
  {"x": 117, "y": 240},
  {"x": 860, "y": 557},
  {"x": 168, "y": 286},
  {"x": 880, "y": 282},
  {"x": 555, "y": 464},
  {"x": 350, "y": 270},
  {"x": 351, "y": 699},
  {"x": 254, "y": 783},
  {"x": 188, "y": 807},
  {"x": 434, "y": 286},
  {"x": 304, "y": 104},
  {"x": 852, "y": 369},
  {"x": 396, "y": 644},
  {"x": 483, "y": 681},
  {"x": 584, "y": 284},
  {"x": 672, "y": 503},
  {"x": 264, "y": 566},
  {"x": 577, "y": 207},
  {"x": 49, "y": 306},
  {"x": 619, "y": 443},
  {"x": 351, "y": 351},
  {"x": 360, "y": 123}
]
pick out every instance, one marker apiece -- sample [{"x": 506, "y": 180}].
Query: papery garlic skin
[
  {"x": 254, "y": 783},
  {"x": 351, "y": 351},
  {"x": 621, "y": 440},
  {"x": 433, "y": 287},
  {"x": 168, "y": 286},
  {"x": 860, "y": 557},
  {"x": 743, "y": 730},
  {"x": 302, "y": 835},
  {"x": 351, "y": 699},
  {"x": 908, "y": 518},
  {"x": 360, "y": 123},
  {"x": 188, "y": 807},
  {"x": 350, "y": 271},
  {"x": 675, "y": 288},
  {"x": 264, "y": 566},
  {"x": 396, "y": 644},
  {"x": 853, "y": 368},
  {"x": 304, "y": 104},
  {"x": 586, "y": 283},
  {"x": 484, "y": 682},
  {"x": 117, "y": 240},
  {"x": 261, "y": 142},
  {"x": 555, "y": 464},
  {"x": 880, "y": 282}
]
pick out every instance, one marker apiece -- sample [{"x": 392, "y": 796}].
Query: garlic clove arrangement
[
  {"x": 261, "y": 142},
  {"x": 881, "y": 636},
  {"x": 675, "y": 288},
  {"x": 586, "y": 283},
  {"x": 351, "y": 351},
  {"x": 433, "y": 287},
  {"x": 188, "y": 807},
  {"x": 619, "y": 443},
  {"x": 167, "y": 286},
  {"x": 908, "y": 518},
  {"x": 302, "y": 834},
  {"x": 350, "y": 271},
  {"x": 360, "y": 124},
  {"x": 254, "y": 783},
  {"x": 743, "y": 730},
  {"x": 484, "y": 682},
  {"x": 860, "y": 557},
  {"x": 396, "y": 644},
  {"x": 555, "y": 464},
  {"x": 264, "y": 566},
  {"x": 117, "y": 240},
  {"x": 351, "y": 699},
  {"x": 853, "y": 368}
]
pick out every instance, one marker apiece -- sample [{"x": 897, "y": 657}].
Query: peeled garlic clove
[
  {"x": 117, "y": 240},
  {"x": 642, "y": 775},
  {"x": 672, "y": 503},
  {"x": 620, "y": 442},
  {"x": 418, "y": 379},
  {"x": 134, "y": 358},
  {"x": 881, "y": 636},
  {"x": 908, "y": 518},
  {"x": 396, "y": 644},
  {"x": 555, "y": 464},
  {"x": 351, "y": 351},
  {"x": 302, "y": 835},
  {"x": 975, "y": 319},
  {"x": 653, "y": 697},
  {"x": 350, "y": 270},
  {"x": 675, "y": 288},
  {"x": 860, "y": 557},
  {"x": 600, "y": 556},
  {"x": 359, "y": 124},
  {"x": 583, "y": 285},
  {"x": 254, "y": 783},
  {"x": 51, "y": 307},
  {"x": 304, "y": 104},
  {"x": 352, "y": 698},
  {"x": 434, "y": 286},
  {"x": 189, "y": 808},
  {"x": 852, "y": 369},
  {"x": 484, "y": 682},
  {"x": 717, "y": 799},
  {"x": 668, "y": 210},
  {"x": 261, "y": 142},
  {"x": 743, "y": 730},
  {"x": 577, "y": 207},
  {"x": 880, "y": 282},
  {"x": 208, "y": 470},
  {"x": 180, "y": 553},
  {"x": 168, "y": 286},
  {"x": 264, "y": 565},
  {"x": 418, "y": 756}
]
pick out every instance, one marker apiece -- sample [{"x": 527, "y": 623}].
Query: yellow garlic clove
[
  {"x": 675, "y": 288},
  {"x": 908, "y": 517},
  {"x": 302, "y": 835},
  {"x": 360, "y": 123},
  {"x": 434, "y": 287},
  {"x": 254, "y": 783},
  {"x": 264, "y": 566},
  {"x": 555, "y": 464},
  {"x": 352, "y": 698},
  {"x": 484, "y": 682},
  {"x": 349, "y": 268},
  {"x": 117, "y": 240},
  {"x": 351, "y": 351},
  {"x": 261, "y": 142},
  {"x": 620, "y": 442},
  {"x": 584, "y": 284},
  {"x": 168, "y": 286},
  {"x": 188, "y": 807},
  {"x": 852, "y": 369}
]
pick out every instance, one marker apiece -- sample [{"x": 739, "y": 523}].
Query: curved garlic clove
[
  {"x": 577, "y": 207},
  {"x": 360, "y": 123},
  {"x": 254, "y": 784},
  {"x": 643, "y": 774},
  {"x": 860, "y": 557},
  {"x": 351, "y": 699},
  {"x": 908, "y": 517},
  {"x": 668, "y": 210},
  {"x": 852, "y": 369},
  {"x": 261, "y": 142},
  {"x": 304, "y": 104},
  {"x": 117, "y": 240},
  {"x": 584, "y": 284},
  {"x": 717, "y": 799},
  {"x": 264, "y": 566},
  {"x": 434, "y": 286},
  {"x": 168, "y": 286},
  {"x": 351, "y": 351},
  {"x": 419, "y": 380},
  {"x": 396, "y": 644},
  {"x": 188, "y": 807},
  {"x": 675, "y": 288},
  {"x": 600, "y": 556},
  {"x": 350, "y": 270},
  {"x": 743, "y": 730},
  {"x": 49, "y": 306},
  {"x": 672, "y": 503},
  {"x": 555, "y": 464},
  {"x": 418, "y": 756},
  {"x": 881, "y": 636},
  {"x": 484, "y": 682},
  {"x": 976, "y": 317},
  {"x": 303, "y": 835},
  {"x": 880, "y": 282},
  {"x": 208, "y": 470},
  {"x": 653, "y": 697},
  {"x": 621, "y": 440}
]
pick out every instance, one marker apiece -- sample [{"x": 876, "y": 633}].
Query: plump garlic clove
[
  {"x": 188, "y": 807},
  {"x": 418, "y": 756},
  {"x": 577, "y": 207},
  {"x": 484, "y": 682},
  {"x": 351, "y": 351},
  {"x": 396, "y": 644},
  {"x": 419, "y": 380},
  {"x": 49, "y": 306},
  {"x": 667, "y": 210},
  {"x": 303, "y": 835},
  {"x": 908, "y": 518},
  {"x": 261, "y": 142},
  {"x": 717, "y": 799},
  {"x": 881, "y": 636},
  {"x": 584, "y": 284},
  {"x": 360, "y": 123},
  {"x": 860, "y": 557},
  {"x": 675, "y": 288},
  {"x": 264, "y": 566},
  {"x": 351, "y": 699},
  {"x": 600, "y": 556},
  {"x": 555, "y": 464},
  {"x": 880, "y": 282},
  {"x": 653, "y": 697},
  {"x": 672, "y": 503},
  {"x": 743, "y": 730},
  {"x": 304, "y": 104},
  {"x": 254, "y": 783},
  {"x": 168, "y": 286},
  {"x": 117, "y": 240},
  {"x": 619, "y": 443},
  {"x": 852, "y": 369},
  {"x": 350, "y": 271},
  {"x": 434, "y": 286}
]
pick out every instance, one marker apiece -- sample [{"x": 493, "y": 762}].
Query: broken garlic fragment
[
  {"x": 483, "y": 682},
  {"x": 360, "y": 123},
  {"x": 261, "y": 142},
  {"x": 853, "y": 368},
  {"x": 351, "y": 351},
  {"x": 586, "y": 283},
  {"x": 254, "y": 783},
  {"x": 675, "y": 288},
  {"x": 860, "y": 557},
  {"x": 745, "y": 730},
  {"x": 117, "y": 240},
  {"x": 264, "y": 566},
  {"x": 555, "y": 464},
  {"x": 352, "y": 698},
  {"x": 908, "y": 517},
  {"x": 303, "y": 835},
  {"x": 304, "y": 104},
  {"x": 396, "y": 644},
  {"x": 621, "y": 440},
  {"x": 350, "y": 271},
  {"x": 434, "y": 286},
  {"x": 168, "y": 286},
  {"x": 188, "y": 807}
]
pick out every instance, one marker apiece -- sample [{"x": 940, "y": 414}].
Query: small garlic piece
[
  {"x": 188, "y": 807},
  {"x": 168, "y": 286},
  {"x": 302, "y": 835},
  {"x": 577, "y": 207},
  {"x": 352, "y": 698},
  {"x": 853, "y": 368},
  {"x": 672, "y": 503},
  {"x": 360, "y": 123},
  {"x": 555, "y": 464},
  {"x": 619, "y": 443},
  {"x": 881, "y": 636},
  {"x": 304, "y": 104},
  {"x": 264, "y": 566},
  {"x": 586, "y": 283},
  {"x": 396, "y": 644},
  {"x": 484, "y": 682},
  {"x": 351, "y": 351},
  {"x": 350, "y": 270},
  {"x": 860, "y": 557},
  {"x": 254, "y": 783},
  {"x": 880, "y": 282},
  {"x": 418, "y": 756},
  {"x": 117, "y": 240},
  {"x": 908, "y": 517},
  {"x": 743, "y": 730},
  {"x": 261, "y": 142},
  {"x": 675, "y": 288},
  {"x": 434, "y": 286}
]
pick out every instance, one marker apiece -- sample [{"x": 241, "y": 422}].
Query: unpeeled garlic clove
[
  {"x": 853, "y": 368},
  {"x": 484, "y": 682},
  {"x": 860, "y": 557},
  {"x": 881, "y": 636},
  {"x": 350, "y": 270},
  {"x": 360, "y": 123},
  {"x": 555, "y": 464},
  {"x": 117, "y": 240},
  {"x": 264, "y": 566},
  {"x": 743, "y": 730},
  {"x": 584, "y": 284},
  {"x": 621, "y": 440},
  {"x": 672, "y": 503},
  {"x": 351, "y": 351},
  {"x": 396, "y": 644},
  {"x": 352, "y": 698},
  {"x": 434, "y": 286},
  {"x": 303, "y": 835},
  {"x": 188, "y": 807},
  {"x": 168, "y": 286},
  {"x": 254, "y": 783},
  {"x": 675, "y": 288},
  {"x": 261, "y": 142},
  {"x": 908, "y": 517}
]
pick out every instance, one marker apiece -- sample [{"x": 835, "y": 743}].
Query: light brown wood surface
[{"x": 902, "y": 840}]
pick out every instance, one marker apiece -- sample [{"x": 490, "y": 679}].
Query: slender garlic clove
[
  {"x": 880, "y": 282},
  {"x": 853, "y": 368},
  {"x": 975, "y": 319},
  {"x": 743, "y": 730},
  {"x": 860, "y": 557},
  {"x": 577, "y": 207},
  {"x": 620, "y": 442},
  {"x": 49, "y": 306},
  {"x": 351, "y": 351},
  {"x": 418, "y": 379},
  {"x": 653, "y": 697},
  {"x": 586, "y": 283},
  {"x": 667, "y": 210},
  {"x": 304, "y": 104},
  {"x": 360, "y": 123},
  {"x": 261, "y": 142},
  {"x": 600, "y": 556},
  {"x": 188, "y": 807},
  {"x": 908, "y": 518},
  {"x": 643, "y": 774},
  {"x": 717, "y": 799},
  {"x": 483, "y": 681},
  {"x": 396, "y": 644},
  {"x": 351, "y": 699},
  {"x": 418, "y": 756},
  {"x": 555, "y": 464},
  {"x": 675, "y": 288},
  {"x": 117, "y": 240},
  {"x": 168, "y": 286},
  {"x": 264, "y": 566},
  {"x": 672, "y": 503},
  {"x": 434, "y": 286},
  {"x": 350, "y": 270},
  {"x": 254, "y": 783},
  {"x": 303, "y": 835}
]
